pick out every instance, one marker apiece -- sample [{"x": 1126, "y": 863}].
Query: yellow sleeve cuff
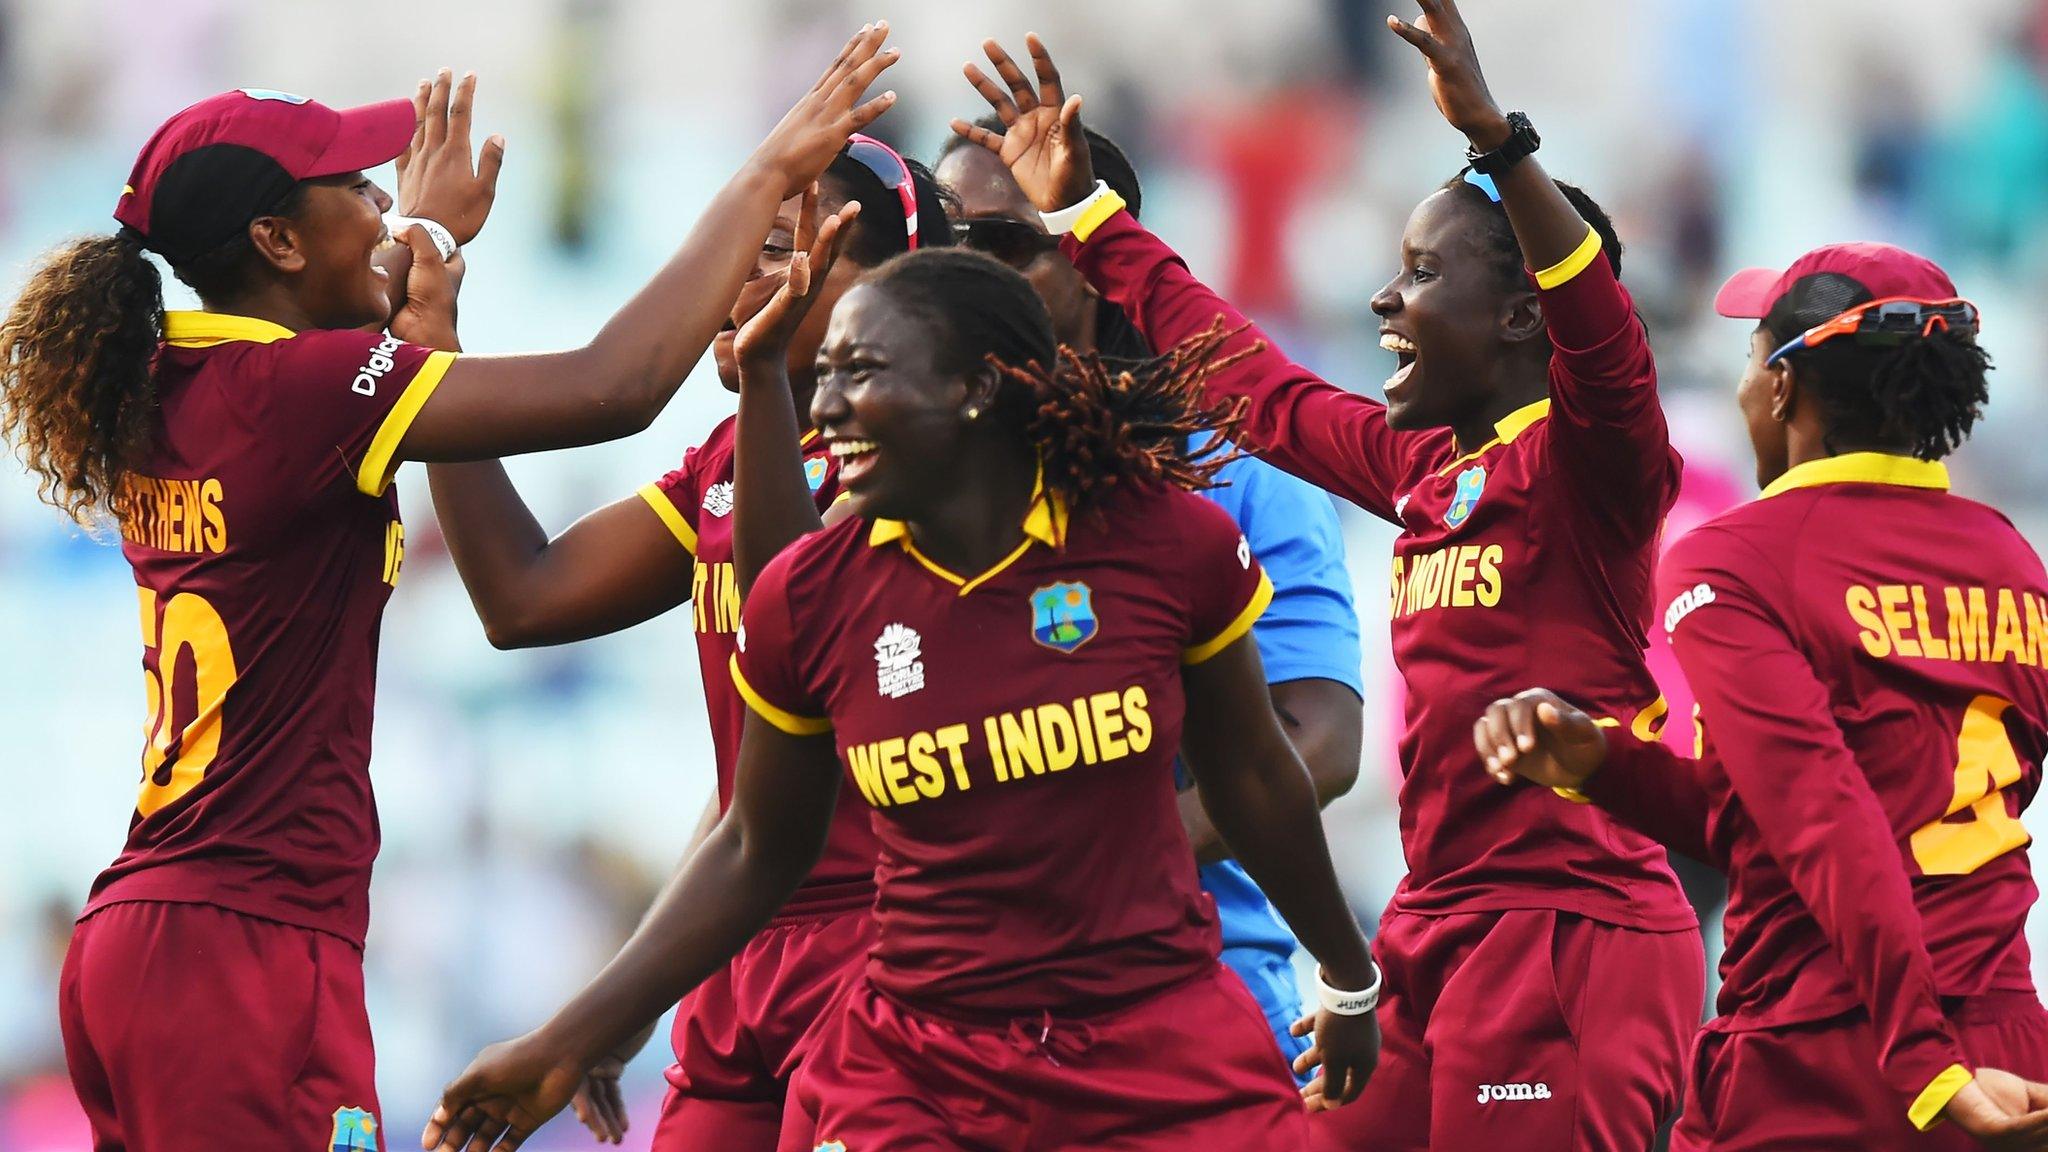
[
  {"x": 1253, "y": 609},
  {"x": 789, "y": 722},
  {"x": 382, "y": 458},
  {"x": 1573, "y": 794},
  {"x": 1097, "y": 214},
  {"x": 1926, "y": 1110},
  {"x": 666, "y": 509},
  {"x": 1562, "y": 271}
]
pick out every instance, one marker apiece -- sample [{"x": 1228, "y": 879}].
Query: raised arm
[
  {"x": 614, "y": 568},
  {"x": 772, "y": 501},
  {"x": 1335, "y": 439},
  {"x": 1608, "y": 435},
  {"x": 783, "y": 798},
  {"x": 489, "y": 406}
]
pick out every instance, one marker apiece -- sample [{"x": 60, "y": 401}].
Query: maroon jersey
[
  {"x": 1526, "y": 561},
  {"x": 695, "y": 501},
  {"x": 265, "y": 540},
  {"x": 1867, "y": 651},
  {"x": 1014, "y": 733}
]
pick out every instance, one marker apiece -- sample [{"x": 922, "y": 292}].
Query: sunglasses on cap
[
  {"x": 1011, "y": 241},
  {"x": 1890, "y": 321},
  {"x": 888, "y": 166}
]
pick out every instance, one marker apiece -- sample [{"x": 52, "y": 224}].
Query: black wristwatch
[{"x": 1522, "y": 140}]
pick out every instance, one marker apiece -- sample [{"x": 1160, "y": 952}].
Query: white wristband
[
  {"x": 1343, "y": 1003},
  {"x": 442, "y": 238},
  {"x": 1062, "y": 222}
]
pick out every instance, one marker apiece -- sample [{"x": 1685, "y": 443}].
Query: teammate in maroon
[
  {"x": 1873, "y": 715},
  {"x": 739, "y": 1035},
  {"x": 212, "y": 994},
  {"x": 1523, "y": 453},
  {"x": 1045, "y": 973}
]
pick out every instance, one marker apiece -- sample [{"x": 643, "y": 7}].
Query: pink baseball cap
[
  {"x": 228, "y": 159},
  {"x": 1807, "y": 293}
]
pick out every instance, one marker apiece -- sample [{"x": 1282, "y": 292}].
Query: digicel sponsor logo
[{"x": 380, "y": 363}]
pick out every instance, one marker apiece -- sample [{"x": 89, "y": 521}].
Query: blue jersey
[{"x": 1309, "y": 632}]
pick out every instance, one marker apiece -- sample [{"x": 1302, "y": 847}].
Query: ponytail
[{"x": 77, "y": 392}]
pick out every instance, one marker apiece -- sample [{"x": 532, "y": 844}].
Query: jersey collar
[
  {"x": 206, "y": 329},
  {"x": 1045, "y": 522},
  {"x": 1505, "y": 430},
  {"x": 1863, "y": 468}
]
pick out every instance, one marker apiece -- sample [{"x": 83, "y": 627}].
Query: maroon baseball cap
[
  {"x": 1827, "y": 282},
  {"x": 233, "y": 157}
]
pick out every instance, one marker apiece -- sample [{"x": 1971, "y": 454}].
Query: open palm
[{"x": 1041, "y": 141}]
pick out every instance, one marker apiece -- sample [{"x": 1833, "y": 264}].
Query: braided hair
[{"x": 1095, "y": 427}]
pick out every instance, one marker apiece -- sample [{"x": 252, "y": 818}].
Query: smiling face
[
  {"x": 337, "y": 229},
  {"x": 763, "y": 281},
  {"x": 1002, "y": 222},
  {"x": 893, "y": 418},
  {"x": 1442, "y": 316}
]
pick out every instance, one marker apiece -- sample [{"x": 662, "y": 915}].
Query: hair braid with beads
[{"x": 1096, "y": 427}]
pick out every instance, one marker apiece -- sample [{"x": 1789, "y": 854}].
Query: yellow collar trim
[
  {"x": 1505, "y": 430},
  {"x": 1046, "y": 523},
  {"x": 1517, "y": 422},
  {"x": 205, "y": 329},
  {"x": 1863, "y": 468},
  {"x": 805, "y": 441}
]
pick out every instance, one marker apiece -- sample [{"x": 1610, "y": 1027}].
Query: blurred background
[{"x": 532, "y": 801}]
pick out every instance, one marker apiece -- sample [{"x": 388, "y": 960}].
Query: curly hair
[
  {"x": 1925, "y": 394},
  {"x": 77, "y": 395},
  {"x": 1095, "y": 426}
]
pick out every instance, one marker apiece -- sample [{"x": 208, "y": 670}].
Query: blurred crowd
[{"x": 532, "y": 801}]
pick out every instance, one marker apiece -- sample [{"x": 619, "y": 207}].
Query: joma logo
[{"x": 1491, "y": 1092}]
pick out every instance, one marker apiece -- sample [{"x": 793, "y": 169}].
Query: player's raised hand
[
  {"x": 508, "y": 1091},
  {"x": 1537, "y": 736},
  {"x": 426, "y": 316},
  {"x": 815, "y": 128},
  {"x": 436, "y": 176},
  {"x": 2001, "y": 1110},
  {"x": 1455, "y": 80},
  {"x": 763, "y": 341},
  {"x": 1041, "y": 141}
]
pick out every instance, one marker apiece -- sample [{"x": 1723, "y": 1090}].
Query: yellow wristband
[{"x": 1097, "y": 215}]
